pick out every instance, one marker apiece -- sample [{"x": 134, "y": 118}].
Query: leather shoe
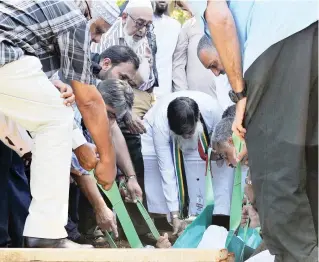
[{"x": 33, "y": 242}]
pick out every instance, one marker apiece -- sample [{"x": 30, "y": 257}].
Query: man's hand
[
  {"x": 134, "y": 191},
  {"x": 87, "y": 155},
  {"x": 135, "y": 124},
  {"x": 163, "y": 242},
  {"x": 106, "y": 220},
  {"x": 249, "y": 212},
  {"x": 178, "y": 226},
  {"x": 66, "y": 92},
  {"x": 106, "y": 180},
  {"x": 237, "y": 127},
  {"x": 243, "y": 155}
]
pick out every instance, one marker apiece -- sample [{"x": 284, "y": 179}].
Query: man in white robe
[{"x": 177, "y": 116}]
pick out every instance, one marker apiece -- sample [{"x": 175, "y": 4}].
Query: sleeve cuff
[
  {"x": 173, "y": 206},
  {"x": 78, "y": 138}
]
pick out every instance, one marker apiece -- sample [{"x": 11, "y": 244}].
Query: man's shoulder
[{"x": 174, "y": 22}]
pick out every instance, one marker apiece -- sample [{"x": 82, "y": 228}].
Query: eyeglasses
[{"x": 139, "y": 23}]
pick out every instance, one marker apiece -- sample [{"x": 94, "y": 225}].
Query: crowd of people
[{"x": 130, "y": 93}]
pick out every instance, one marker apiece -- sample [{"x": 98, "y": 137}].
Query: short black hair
[
  {"x": 205, "y": 43},
  {"x": 120, "y": 54},
  {"x": 230, "y": 111},
  {"x": 182, "y": 114}
]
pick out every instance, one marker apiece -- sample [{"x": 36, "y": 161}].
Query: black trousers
[
  {"x": 282, "y": 140},
  {"x": 15, "y": 198}
]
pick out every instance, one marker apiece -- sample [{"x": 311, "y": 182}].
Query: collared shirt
[
  {"x": 115, "y": 36},
  {"x": 54, "y": 31},
  {"x": 261, "y": 24}
]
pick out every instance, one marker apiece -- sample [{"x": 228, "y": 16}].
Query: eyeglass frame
[{"x": 149, "y": 26}]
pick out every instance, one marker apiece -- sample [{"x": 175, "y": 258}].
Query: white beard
[
  {"x": 130, "y": 40},
  {"x": 191, "y": 143}
]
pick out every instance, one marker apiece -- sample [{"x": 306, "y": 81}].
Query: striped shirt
[
  {"x": 54, "y": 31},
  {"x": 115, "y": 36}
]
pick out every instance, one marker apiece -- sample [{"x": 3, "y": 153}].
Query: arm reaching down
[
  {"x": 124, "y": 163},
  {"x": 105, "y": 218},
  {"x": 222, "y": 28},
  {"x": 93, "y": 111},
  {"x": 74, "y": 47}
]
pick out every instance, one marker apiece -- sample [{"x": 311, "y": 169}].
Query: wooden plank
[{"x": 114, "y": 255}]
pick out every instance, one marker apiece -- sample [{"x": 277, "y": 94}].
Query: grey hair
[
  {"x": 222, "y": 131},
  {"x": 117, "y": 94},
  {"x": 205, "y": 43},
  {"x": 229, "y": 112}
]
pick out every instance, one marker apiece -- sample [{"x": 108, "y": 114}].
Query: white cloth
[
  {"x": 105, "y": 9},
  {"x": 139, "y": 3},
  {"x": 29, "y": 98},
  {"x": 160, "y": 181},
  {"x": 166, "y": 30},
  {"x": 222, "y": 89},
  {"x": 214, "y": 238},
  {"x": 264, "y": 256}
]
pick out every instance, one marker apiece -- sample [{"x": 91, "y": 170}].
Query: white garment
[
  {"x": 166, "y": 30},
  {"x": 29, "y": 98},
  {"x": 264, "y": 256},
  {"x": 214, "y": 238},
  {"x": 222, "y": 90},
  {"x": 160, "y": 181}
]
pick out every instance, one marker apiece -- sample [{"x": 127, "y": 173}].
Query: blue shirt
[{"x": 260, "y": 24}]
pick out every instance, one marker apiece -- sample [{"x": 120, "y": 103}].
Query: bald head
[{"x": 209, "y": 57}]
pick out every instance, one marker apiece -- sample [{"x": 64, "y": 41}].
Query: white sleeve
[
  {"x": 78, "y": 138},
  {"x": 161, "y": 140}
]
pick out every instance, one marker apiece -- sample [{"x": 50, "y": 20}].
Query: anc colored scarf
[{"x": 203, "y": 143}]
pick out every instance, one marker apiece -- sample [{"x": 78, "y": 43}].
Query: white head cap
[
  {"x": 139, "y": 3},
  {"x": 105, "y": 9}
]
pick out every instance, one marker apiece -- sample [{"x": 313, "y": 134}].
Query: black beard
[{"x": 160, "y": 10}]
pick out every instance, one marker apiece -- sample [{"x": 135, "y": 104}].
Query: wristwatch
[{"x": 235, "y": 97}]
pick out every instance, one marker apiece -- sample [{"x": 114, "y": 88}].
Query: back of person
[
  {"x": 34, "y": 30},
  {"x": 166, "y": 30},
  {"x": 198, "y": 77}
]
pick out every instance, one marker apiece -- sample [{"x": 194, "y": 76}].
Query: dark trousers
[
  {"x": 282, "y": 140},
  {"x": 73, "y": 216},
  {"x": 15, "y": 198}
]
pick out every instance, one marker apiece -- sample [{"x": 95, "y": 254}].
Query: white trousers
[{"x": 29, "y": 98}]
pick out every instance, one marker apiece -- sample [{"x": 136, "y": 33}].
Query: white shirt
[
  {"x": 166, "y": 30},
  {"x": 157, "y": 119}
]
